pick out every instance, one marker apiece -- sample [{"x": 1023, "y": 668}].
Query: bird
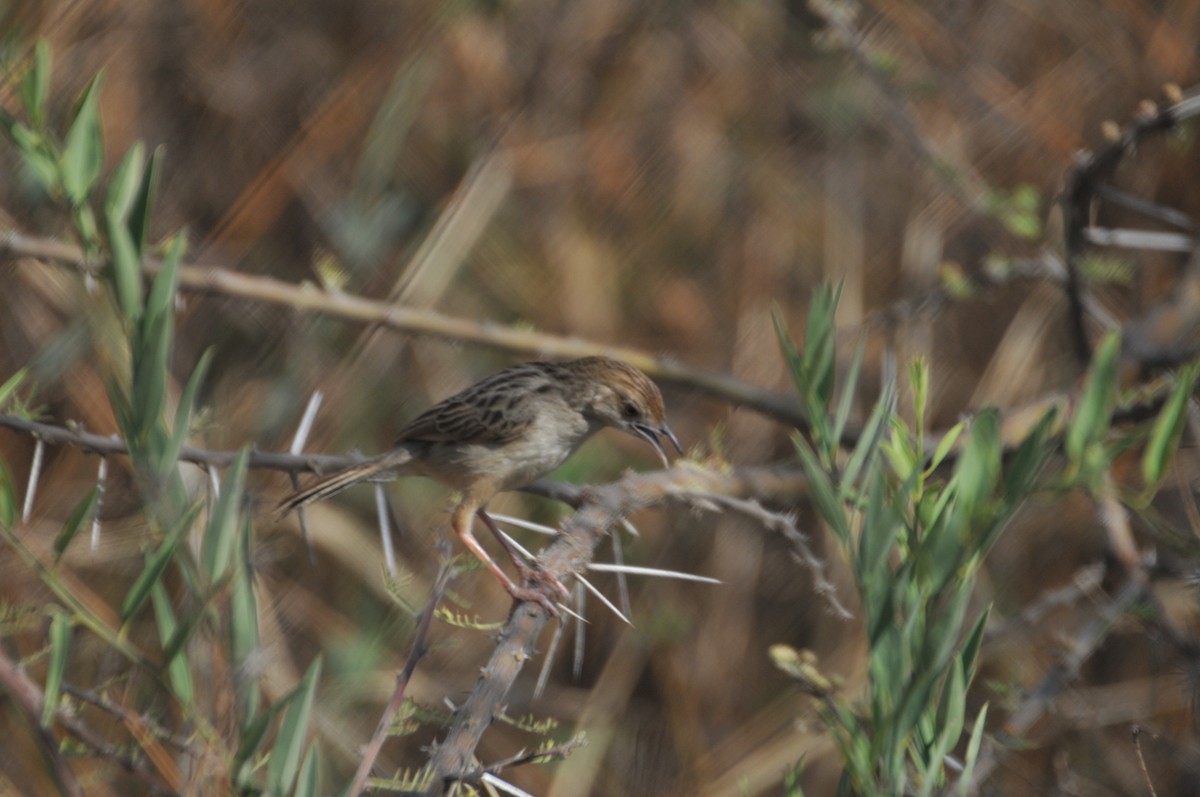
[{"x": 508, "y": 430}]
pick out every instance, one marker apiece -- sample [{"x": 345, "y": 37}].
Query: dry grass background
[{"x": 656, "y": 175}]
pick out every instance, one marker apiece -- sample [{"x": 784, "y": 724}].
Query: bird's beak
[{"x": 651, "y": 436}]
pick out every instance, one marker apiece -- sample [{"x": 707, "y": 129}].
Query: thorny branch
[
  {"x": 600, "y": 508},
  {"x": 28, "y": 696},
  {"x": 307, "y": 297}
]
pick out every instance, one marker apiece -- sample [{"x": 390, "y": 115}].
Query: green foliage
[
  {"x": 83, "y": 512},
  {"x": 921, "y": 537},
  {"x": 1019, "y": 210},
  {"x": 212, "y": 594},
  {"x": 289, "y": 743},
  {"x": 60, "y": 638},
  {"x": 8, "y": 498},
  {"x": 1167, "y": 429}
]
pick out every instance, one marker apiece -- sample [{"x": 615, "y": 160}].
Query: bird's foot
[
  {"x": 540, "y": 576},
  {"x": 535, "y": 595}
]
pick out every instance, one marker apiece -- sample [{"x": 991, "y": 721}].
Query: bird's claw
[
  {"x": 535, "y": 596},
  {"x": 541, "y": 576}
]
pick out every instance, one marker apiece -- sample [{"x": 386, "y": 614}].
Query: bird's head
[{"x": 624, "y": 398}]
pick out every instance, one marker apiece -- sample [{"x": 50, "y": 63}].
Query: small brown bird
[{"x": 506, "y": 431}]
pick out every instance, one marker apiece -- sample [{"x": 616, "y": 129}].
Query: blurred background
[{"x": 654, "y": 175}]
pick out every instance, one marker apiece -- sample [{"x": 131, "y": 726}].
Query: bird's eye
[{"x": 631, "y": 410}]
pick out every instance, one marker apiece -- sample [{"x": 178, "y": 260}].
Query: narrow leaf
[
  {"x": 143, "y": 206},
  {"x": 1095, "y": 407},
  {"x": 36, "y": 85},
  {"x": 82, "y": 513},
  {"x": 9, "y": 388},
  {"x": 187, "y": 401},
  {"x": 309, "y": 782},
  {"x": 179, "y": 672},
  {"x": 83, "y": 154},
  {"x": 872, "y": 433},
  {"x": 945, "y": 445},
  {"x": 289, "y": 744},
  {"x": 8, "y": 500},
  {"x": 60, "y": 638},
  {"x": 849, "y": 389},
  {"x": 1164, "y": 437},
  {"x": 979, "y": 467},
  {"x": 126, "y": 268},
  {"x": 824, "y": 494},
  {"x": 964, "y": 781},
  {"x": 124, "y": 184},
  {"x": 216, "y": 551},
  {"x": 156, "y": 564}
]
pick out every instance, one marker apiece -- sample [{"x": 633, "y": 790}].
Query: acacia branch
[
  {"x": 600, "y": 508},
  {"x": 309, "y": 297}
]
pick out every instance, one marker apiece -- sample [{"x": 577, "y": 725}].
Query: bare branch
[
  {"x": 419, "y": 647},
  {"x": 310, "y": 298},
  {"x": 600, "y": 508}
]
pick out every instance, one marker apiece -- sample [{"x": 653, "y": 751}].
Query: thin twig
[
  {"x": 310, "y": 298},
  {"x": 28, "y": 697},
  {"x": 420, "y": 646},
  {"x": 786, "y": 526},
  {"x": 1061, "y": 675},
  {"x": 1137, "y": 747},
  {"x": 600, "y": 508}
]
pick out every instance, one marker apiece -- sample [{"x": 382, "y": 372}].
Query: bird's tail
[{"x": 380, "y": 468}]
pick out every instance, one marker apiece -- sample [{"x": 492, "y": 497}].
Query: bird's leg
[
  {"x": 461, "y": 520},
  {"x": 534, "y": 573}
]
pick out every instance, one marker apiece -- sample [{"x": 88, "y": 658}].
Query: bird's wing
[{"x": 495, "y": 411}]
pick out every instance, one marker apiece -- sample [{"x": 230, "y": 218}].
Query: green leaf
[
  {"x": 8, "y": 501},
  {"x": 868, "y": 442},
  {"x": 9, "y": 388},
  {"x": 253, "y": 729},
  {"x": 160, "y": 304},
  {"x": 820, "y": 356},
  {"x": 153, "y": 342},
  {"x": 285, "y": 755},
  {"x": 216, "y": 551},
  {"x": 971, "y": 645},
  {"x": 60, "y": 639},
  {"x": 918, "y": 374},
  {"x": 124, "y": 184},
  {"x": 244, "y": 633},
  {"x": 83, "y": 151},
  {"x": 183, "y": 412},
  {"x": 899, "y": 450},
  {"x": 83, "y": 512},
  {"x": 35, "y": 87},
  {"x": 964, "y": 780},
  {"x": 126, "y": 270},
  {"x": 881, "y": 525},
  {"x": 945, "y": 445},
  {"x": 143, "y": 206},
  {"x": 849, "y": 388},
  {"x": 179, "y": 672},
  {"x": 1092, "y": 416},
  {"x": 156, "y": 564},
  {"x": 790, "y": 353},
  {"x": 1164, "y": 437},
  {"x": 1025, "y": 464},
  {"x": 979, "y": 466},
  {"x": 309, "y": 782},
  {"x": 822, "y": 491}
]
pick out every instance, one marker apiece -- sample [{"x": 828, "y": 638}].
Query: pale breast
[{"x": 554, "y": 433}]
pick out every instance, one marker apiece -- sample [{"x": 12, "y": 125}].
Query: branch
[
  {"x": 113, "y": 445},
  {"x": 600, "y": 508},
  {"x": 420, "y": 646},
  {"x": 306, "y": 296}
]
